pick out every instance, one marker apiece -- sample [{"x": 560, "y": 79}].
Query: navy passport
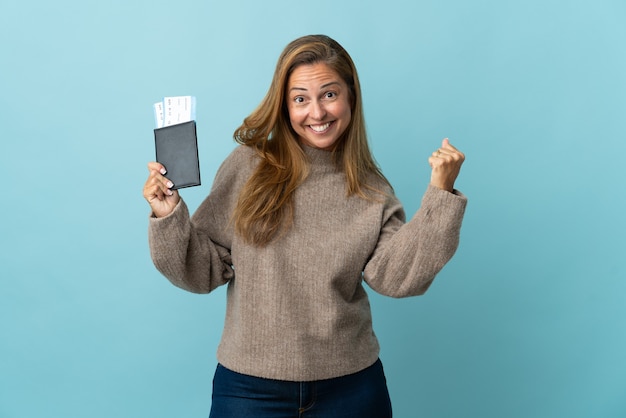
[{"x": 177, "y": 149}]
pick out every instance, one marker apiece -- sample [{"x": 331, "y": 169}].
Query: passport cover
[{"x": 177, "y": 149}]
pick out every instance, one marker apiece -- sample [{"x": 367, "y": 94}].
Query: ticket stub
[{"x": 174, "y": 110}]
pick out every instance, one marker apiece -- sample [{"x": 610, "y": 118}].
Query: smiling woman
[
  {"x": 298, "y": 218},
  {"x": 278, "y": 131},
  {"x": 318, "y": 104}
]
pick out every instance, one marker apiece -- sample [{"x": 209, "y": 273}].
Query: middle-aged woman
[{"x": 298, "y": 218}]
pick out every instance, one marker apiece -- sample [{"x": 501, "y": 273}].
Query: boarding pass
[{"x": 174, "y": 110}]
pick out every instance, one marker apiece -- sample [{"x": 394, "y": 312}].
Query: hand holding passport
[{"x": 176, "y": 142}]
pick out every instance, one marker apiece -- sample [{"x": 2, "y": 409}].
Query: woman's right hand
[{"x": 158, "y": 191}]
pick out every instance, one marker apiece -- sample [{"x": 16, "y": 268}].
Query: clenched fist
[{"x": 445, "y": 163}]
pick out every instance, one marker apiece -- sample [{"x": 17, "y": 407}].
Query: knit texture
[{"x": 296, "y": 308}]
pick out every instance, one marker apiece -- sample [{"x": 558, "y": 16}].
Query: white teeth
[{"x": 320, "y": 128}]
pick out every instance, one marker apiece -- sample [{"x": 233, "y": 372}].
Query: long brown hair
[{"x": 265, "y": 205}]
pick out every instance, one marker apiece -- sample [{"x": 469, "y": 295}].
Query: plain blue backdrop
[{"x": 528, "y": 320}]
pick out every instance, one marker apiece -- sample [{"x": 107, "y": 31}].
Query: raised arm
[{"x": 408, "y": 256}]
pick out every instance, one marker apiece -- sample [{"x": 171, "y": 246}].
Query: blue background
[{"x": 528, "y": 320}]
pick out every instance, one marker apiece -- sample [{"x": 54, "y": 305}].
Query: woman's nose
[{"x": 317, "y": 111}]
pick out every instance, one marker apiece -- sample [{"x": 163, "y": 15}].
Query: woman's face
[{"x": 318, "y": 101}]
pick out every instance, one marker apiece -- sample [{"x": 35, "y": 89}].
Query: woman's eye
[
  {"x": 330, "y": 95},
  {"x": 299, "y": 99}
]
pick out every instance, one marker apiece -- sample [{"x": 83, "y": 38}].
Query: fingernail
[
  {"x": 170, "y": 184},
  {"x": 163, "y": 171},
  {"x": 169, "y": 192}
]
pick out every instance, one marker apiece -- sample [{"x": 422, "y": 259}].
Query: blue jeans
[{"x": 360, "y": 395}]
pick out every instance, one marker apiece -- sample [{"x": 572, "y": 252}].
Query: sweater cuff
[
  {"x": 180, "y": 213},
  {"x": 452, "y": 203}
]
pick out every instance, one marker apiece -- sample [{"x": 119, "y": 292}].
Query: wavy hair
[{"x": 265, "y": 204}]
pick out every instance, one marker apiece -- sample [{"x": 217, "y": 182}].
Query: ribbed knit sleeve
[
  {"x": 194, "y": 252},
  {"x": 408, "y": 256}
]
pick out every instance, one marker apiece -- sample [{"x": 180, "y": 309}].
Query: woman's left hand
[{"x": 445, "y": 163}]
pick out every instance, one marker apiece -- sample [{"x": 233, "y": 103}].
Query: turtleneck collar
[{"x": 319, "y": 157}]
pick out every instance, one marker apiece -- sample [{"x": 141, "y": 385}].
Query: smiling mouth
[{"x": 320, "y": 128}]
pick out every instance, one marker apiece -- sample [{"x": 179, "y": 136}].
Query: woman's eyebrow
[
  {"x": 322, "y": 87},
  {"x": 329, "y": 84}
]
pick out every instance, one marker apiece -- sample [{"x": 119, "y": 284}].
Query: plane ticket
[{"x": 174, "y": 110}]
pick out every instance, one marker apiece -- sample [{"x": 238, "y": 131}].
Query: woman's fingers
[
  {"x": 157, "y": 184},
  {"x": 448, "y": 149},
  {"x": 153, "y": 165}
]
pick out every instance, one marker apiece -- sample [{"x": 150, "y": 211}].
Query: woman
[{"x": 298, "y": 217}]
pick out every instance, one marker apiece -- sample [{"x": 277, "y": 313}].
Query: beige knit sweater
[{"x": 297, "y": 309}]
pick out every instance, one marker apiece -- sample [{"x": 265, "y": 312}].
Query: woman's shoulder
[
  {"x": 377, "y": 181},
  {"x": 240, "y": 157},
  {"x": 240, "y": 154},
  {"x": 238, "y": 164}
]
